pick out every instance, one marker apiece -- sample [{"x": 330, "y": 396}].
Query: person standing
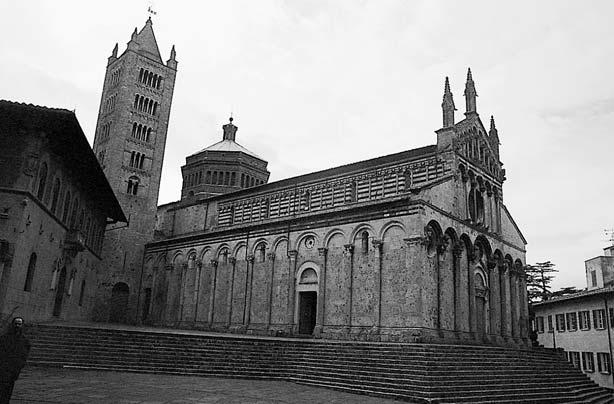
[{"x": 14, "y": 350}]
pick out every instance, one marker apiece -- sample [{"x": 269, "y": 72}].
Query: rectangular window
[
  {"x": 588, "y": 363},
  {"x": 574, "y": 358},
  {"x": 550, "y": 326},
  {"x": 599, "y": 319},
  {"x": 603, "y": 362},
  {"x": 594, "y": 278},
  {"x": 539, "y": 324},
  {"x": 585, "y": 320},
  {"x": 611, "y": 310},
  {"x": 572, "y": 321},
  {"x": 560, "y": 322}
]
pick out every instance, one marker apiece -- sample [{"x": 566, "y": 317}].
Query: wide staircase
[{"x": 411, "y": 372}]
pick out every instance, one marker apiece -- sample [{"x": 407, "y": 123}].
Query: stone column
[
  {"x": 152, "y": 301},
  {"x": 292, "y": 254},
  {"x": 321, "y": 317},
  {"x": 414, "y": 262},
  {"x": 471, "y": 291},
  {"x": 490, "y": 224},
  {"x": 182, "y": 286},
  {"x": 199, "y": 268},
  {"x": 249, "y": 278},
  {"x": 523, "y": 303},
  {"x": 233, "y": 262},
  {"x": 514, "y": 302},
  {"x": 271, "y": 258},
  {"x": 506, "y": 296},
  {"x": 348, "y": 254},
  {"x": 494, "y": 297},
  {"x": 457, "y": 252},
  {"x": 213, "y": 264},
  {"x": 165, "y": 314},
  {"x": 377, "y": 247}
]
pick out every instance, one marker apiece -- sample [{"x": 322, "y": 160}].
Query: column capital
[
  {"x": 292, "y": 254},
  {"x": 168, "y": 267},
  {"x": 348, "y": 249},
  {"x": 491, "y": 264},
  {"x": 270, "y": 256},
  {"x": 457, "y": 250},
  {"x": 184, "y": 265},
  {"x": 199, "y": 264},
  {"x": 250, "y": 258},
  {"x": 213, "y": 263},
  {"x": 377, "y": 244},
  {"x": 232, "y": 260},
  {"x": 322, "y": 251}
]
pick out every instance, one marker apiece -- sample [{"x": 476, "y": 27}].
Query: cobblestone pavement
[{"x": 56, "y": 385}]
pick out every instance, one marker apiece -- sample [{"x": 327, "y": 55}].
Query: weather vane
[
  {"x": 151, "y": 11},
  {"x": 610, "y": 234}
]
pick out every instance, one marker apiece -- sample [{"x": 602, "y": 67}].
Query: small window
[
  {"x": 82, "y": 292},
  {"x": 539, "y": 324},
  {"x": 599, "y": 319},
  {"x": 611, "y": 310},
  {"x": 603, "y": 362},
  {"x": 560, "y": 322},
  {"x": 585, "y": 320},
  {"x": 574, "y": 359},
  {"x": 594, "y": 278},
  {"x": 588, "y": 362},
  {"x": 42, "y": 180},
  {"x": 30, "y": 274},
  {"x": 55, "y": 195},
  {"x": 133, "y": 185},
  {"x": 550, "y": 326},
  {"x": 364, "y": 242},
  {"x": 66, "y": 207},
  {"x": 572, "y": 321}
]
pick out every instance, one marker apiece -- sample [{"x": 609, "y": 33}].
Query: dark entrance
[
  {"x": 308, "y": 302},
  {"x": 59, "y": 294},
  {"x": 146, "y": 304},
  {"x": 119, "y": 303}
]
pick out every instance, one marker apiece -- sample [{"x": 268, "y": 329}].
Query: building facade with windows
[
  {"x": 583, "y": 323},
  {"x": 129, "y": 142},
  {"x": 413, "y": 246},
  {"x": 54, "y": 205}
]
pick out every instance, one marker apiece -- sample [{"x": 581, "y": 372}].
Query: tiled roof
[
  {"x": 227, "y": 145},
  {"x": 578, "y": 295}
]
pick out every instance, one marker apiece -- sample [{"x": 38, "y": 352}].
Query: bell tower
[{"x": 130, "y": 140}]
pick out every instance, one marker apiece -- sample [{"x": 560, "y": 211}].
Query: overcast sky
[{"x": 316, "y": 84}]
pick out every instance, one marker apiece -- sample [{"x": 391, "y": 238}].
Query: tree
[{"x": 539, "y": 277}]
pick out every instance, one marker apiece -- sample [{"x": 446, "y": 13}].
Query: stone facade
[
  {"x": 54, "y": 205},
  {"x": 130, "y": 142},
  {"x": 413, "y": 246}
]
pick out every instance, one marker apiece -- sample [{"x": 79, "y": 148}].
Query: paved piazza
[{"x": 55, "y": 385}]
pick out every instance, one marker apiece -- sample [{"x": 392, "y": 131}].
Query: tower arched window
[
  {"x": 42, "y": 181},
  {"x": 155, "y": 108},
  {"x": 148, "y": 136},
  {"x": 134, "y": 129},
  {"x": 55, "y": 195},
  {"x": 159, "y": 84},
  {"x": 142, "y": 163},
  {"x": 133, "y": 185},
  {"x": 81, "y": 219},
  {"x": 73, "y": 214},
  {"x": 141, "y": 75},
  {"x": 136, "y": 101},
  {"x": 233, "y": 179},
  {"x": 132, "y": 155},
  {"x": 27, "y": 287},
  {"x": 242, "y": 180}
]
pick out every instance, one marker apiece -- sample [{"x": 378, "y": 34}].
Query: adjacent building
[
  {"x": 583, "y": 323},
  {"x": 55, "y": 203}
]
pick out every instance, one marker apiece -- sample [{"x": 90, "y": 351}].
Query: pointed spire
[
  {"x": 448, "y": 106},
  {"x": 134, "y": 34},
  {"x": 172, "y": 62},
  {"x": 493, "y": 132},
  {"x": 230, "y": 130},
  {"x": 114, "y": 53},
  {"x": 470, "y": 94},
  {"x": 149, "y": 21}
]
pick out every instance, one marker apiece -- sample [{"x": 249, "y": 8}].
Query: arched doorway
[
  {"x": 307, "y": 294},
  {"x": 59, "y": 294},
  {"x": 119, "y": 303},
  {"x": 481, "y": 304}
]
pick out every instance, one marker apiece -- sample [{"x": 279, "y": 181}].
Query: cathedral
[{"x": 415, "y": 246}]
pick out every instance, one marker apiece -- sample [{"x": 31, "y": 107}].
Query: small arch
[
  {"x": 358, "y": 229},
  {"x": 332, "y": 233},
  {"x": 303, "y": 236},
  {"x": 389, "y": 225},
  {"x": 155, "y": 109},
  {"x": 55, "y": 194},
  {"x": 66, "y": 206}
]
